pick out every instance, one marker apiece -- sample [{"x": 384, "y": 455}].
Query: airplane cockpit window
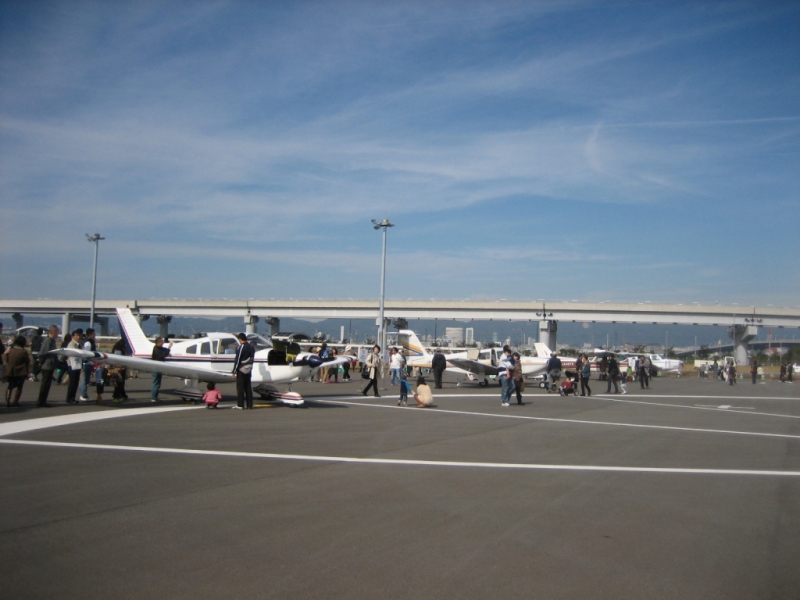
[
  {"x": 205, "y": 348},
  {"x": 228, "y": 346},
  {"x": 192, "y": 349}
]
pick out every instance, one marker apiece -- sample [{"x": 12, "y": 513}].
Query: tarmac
[{"x": 689, "y": 489}]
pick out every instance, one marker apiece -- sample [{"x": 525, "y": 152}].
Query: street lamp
[
  {"x": 95, "y": 239},
  {"x": 385, "y": 224}
]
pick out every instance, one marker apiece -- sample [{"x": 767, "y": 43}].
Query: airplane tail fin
[
  {"x": 542, "y": 350},
  {"x": 132, "y": 333},
  {"x": 412, "y": 347}
]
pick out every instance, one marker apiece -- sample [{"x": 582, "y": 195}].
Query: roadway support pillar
[
  {"x": 547, "y": 333},
  {"x": 741, "y": 335},
  {"x": 66, "y": 318},
  {"x": 250, "y": 323},
  {"x": 18, "y": 320},
  {"x": 140, "y": 318},
  {"x": 163, "y": 321},
  {"x": 274, "y": 325}
]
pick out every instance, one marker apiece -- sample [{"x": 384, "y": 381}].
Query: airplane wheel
[
  {"x": 264, "y": 396},
  {"x": 542, "y": 385},
  {"x": 483, "y": 383}
]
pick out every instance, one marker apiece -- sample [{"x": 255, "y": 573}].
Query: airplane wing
[
  {"x": 146, "y": 364},
  {"x": 474, "y": 367}
]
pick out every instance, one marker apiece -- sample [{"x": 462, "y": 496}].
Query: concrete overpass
[{"x": 742, "y": 321}]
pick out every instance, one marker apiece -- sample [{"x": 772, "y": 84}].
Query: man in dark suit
[
  {"x": 243, "y": 371},
  {"x": 438, "y": 365}
]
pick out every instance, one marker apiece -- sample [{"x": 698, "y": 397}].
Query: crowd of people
[
  {"x": 45, "y": 368},
  {"x": 39, "y": 365}
]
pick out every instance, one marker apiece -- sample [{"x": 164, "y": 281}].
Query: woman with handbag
[{"x": 372, "y": 367}]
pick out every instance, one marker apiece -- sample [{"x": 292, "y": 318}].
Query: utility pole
[
  {"x": 385, "y": 224},
  {"x": 95, "y": 239}
]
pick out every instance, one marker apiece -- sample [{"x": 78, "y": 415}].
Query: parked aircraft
[
  {"x": 415, "y": 353},
  {"x": 659, "y": 362},
  {"x": 476, "y": 364},
  {"x": 211, "y": 359}
]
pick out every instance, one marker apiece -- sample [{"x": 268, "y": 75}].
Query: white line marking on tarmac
[
  {"x": 406, "y": 462},
  {"x": 553, "y": 419},
  {"x": 732, "y": 409},
  {"x": 726, "y": 407},
  {"x": 86, "y": 417},
  {"x": 654, "y": 395}
]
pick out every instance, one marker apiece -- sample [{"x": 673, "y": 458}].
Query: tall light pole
[
  {"x": 95, "y": 239},
  {"x": 385, "y": 224}
]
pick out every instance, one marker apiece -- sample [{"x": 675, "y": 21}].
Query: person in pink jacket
[{"x": 212, "y": 396}]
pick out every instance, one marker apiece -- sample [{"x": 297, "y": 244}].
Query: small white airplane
[
  {"x": 211, "y": 359},
  {"x": 415, "y": 353},
  {"x": 476, "y": 364},
  {"x": 659, "y": 362}
]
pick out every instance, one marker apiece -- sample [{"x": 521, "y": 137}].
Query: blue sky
[{"x": 623, "y": 151}]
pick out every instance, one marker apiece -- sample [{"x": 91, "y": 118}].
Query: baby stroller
[{"x": 569, "y": 385}]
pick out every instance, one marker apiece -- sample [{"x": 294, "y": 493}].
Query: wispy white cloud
[{"x": 185, "y": 129}]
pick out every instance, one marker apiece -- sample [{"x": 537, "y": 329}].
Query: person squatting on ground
[
  {"x": 17, "y": 368},
  {"x": 160, "y": 354},
  {"x": 372, "y": 367},
  {"x": 506, "y": 376},
  {"x": 74, "y": 367},
  {"x": 438, "y": 365},
  {"x": 243, "y": 372},
  {"x": 517, "y": 377},
  {"x": 585, "y": 373},
  {"x": 553, "y": 369},
  {"x": 423, "y": 395},
  {"x": 212, "y": 397},
  {"x": 48, "y": 363}
]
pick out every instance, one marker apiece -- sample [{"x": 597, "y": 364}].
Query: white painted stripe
[
  {"x": 555, "y": 396},
  {"x": 698, "y": 407},
  {"x": 406, "y": 462},
  {"x": 555, "y": 420},
  {"x": 84, "y": 417}
]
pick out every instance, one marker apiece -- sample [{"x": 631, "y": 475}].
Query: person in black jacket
[
  {"x": 243, "y": 372},
  {"x": 553, "y": 369},
  {"x": 48, "y": 363},
  {"x": 438, "y": 365},
  {"x": 613, "y": 375},
  {"x": 159, "y": 353}
]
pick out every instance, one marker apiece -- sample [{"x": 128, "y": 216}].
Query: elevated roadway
[{"x": 594, "y": 312}]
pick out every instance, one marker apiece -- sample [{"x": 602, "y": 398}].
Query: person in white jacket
[
  {"x": 74, "y": 367},
  {"x": 396, "y": 362}
]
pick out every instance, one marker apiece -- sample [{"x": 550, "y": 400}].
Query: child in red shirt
[{"x": 212, "y": 396}]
